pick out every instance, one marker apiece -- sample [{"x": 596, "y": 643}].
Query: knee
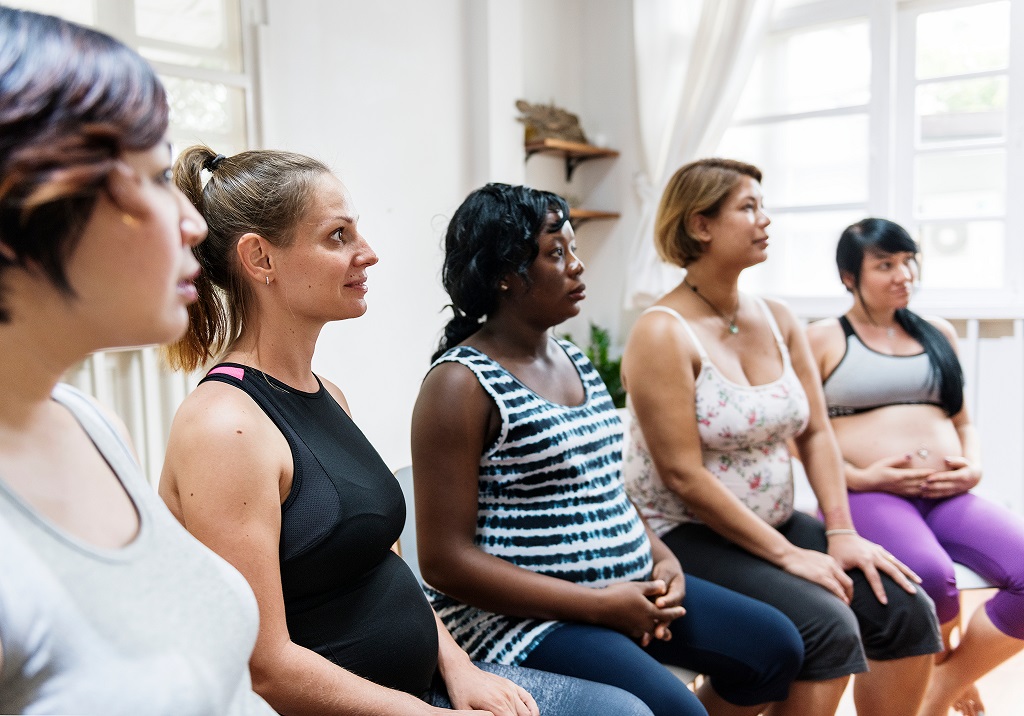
[
  {"x": 781, "y": 659},
  {"x": 620, "y": 701},
  {"x": 832, "y": 642},
  {"x": 775, "y": 660},
  {"x": 907, "y": 626},
  {"x": 938, "y": 580}
]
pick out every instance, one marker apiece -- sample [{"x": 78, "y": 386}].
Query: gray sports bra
[{"x": 866, "y": 379}]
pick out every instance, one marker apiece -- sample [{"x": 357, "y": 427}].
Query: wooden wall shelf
[
  {"x": 574, "y": 153},
  {"x": 581, "y": 216}
]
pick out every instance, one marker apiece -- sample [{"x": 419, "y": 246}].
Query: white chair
[
  {"x": 407, "y": 541},
  {"x": 966, "y": 578}
]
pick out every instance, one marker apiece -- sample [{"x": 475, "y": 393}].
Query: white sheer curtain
[{"x": 692, "y": 60}]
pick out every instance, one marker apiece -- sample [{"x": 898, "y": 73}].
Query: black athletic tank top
[{"x": 347, "y": 596}]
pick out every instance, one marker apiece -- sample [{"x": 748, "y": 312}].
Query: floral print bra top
[{"x": 743, "y": 432}]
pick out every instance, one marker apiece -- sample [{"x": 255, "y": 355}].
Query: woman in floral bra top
[{"x": 718, "y": 382}]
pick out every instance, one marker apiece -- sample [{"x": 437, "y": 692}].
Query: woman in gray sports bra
[
  {"x": 718, "y": 382},
  {"x": 894, "y": 390}
]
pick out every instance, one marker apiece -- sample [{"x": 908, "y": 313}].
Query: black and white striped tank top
[{"x": 551, "y": 500}]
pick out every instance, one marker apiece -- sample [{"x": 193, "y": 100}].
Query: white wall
[
  {"x": 581, "y": 57},
  {"x": 412, "y": 104},
  {"x": 379, "y": 92}
]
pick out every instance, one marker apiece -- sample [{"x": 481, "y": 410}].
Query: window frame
[{"x": 892, "y": 148}]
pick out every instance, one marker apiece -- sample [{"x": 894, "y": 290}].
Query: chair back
[{"x": 407, "y": 542}]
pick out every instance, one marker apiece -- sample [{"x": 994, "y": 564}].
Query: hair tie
[{"x": 212, "y": 163}]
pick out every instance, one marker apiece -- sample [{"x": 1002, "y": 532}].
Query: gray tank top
[
  {"x": 866, "y": 379},
  {"x": 160, "y": 626}
]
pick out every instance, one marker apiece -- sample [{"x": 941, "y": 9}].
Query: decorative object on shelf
[
  {"x": 546, "y": 121},
  {"x": 599, "y": 353},
  {"x": 554, "y": 131}
]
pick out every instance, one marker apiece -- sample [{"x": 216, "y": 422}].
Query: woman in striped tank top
[{"x": 532, "y": 551}]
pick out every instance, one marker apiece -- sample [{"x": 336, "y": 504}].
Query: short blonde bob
[{"x": 699, "y": 187}]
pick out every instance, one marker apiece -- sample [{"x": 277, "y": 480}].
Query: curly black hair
[{"x": 491, "y": 236}]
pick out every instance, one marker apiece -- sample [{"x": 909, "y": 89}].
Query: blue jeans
[
  {"x": 749, "y": 650},
  {"x": 557, "y": 695}
]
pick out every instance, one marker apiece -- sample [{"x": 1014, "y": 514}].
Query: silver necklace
[
  {"x": 890, "y": 331},
  {"x": 733, "y": 328}
]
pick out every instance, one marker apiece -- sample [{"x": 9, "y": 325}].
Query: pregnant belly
[{"x": 921, "y": 431}]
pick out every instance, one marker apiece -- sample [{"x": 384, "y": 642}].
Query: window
[
  {"x": 198, "y": 47},
  {"x": 898, "y": 108}
]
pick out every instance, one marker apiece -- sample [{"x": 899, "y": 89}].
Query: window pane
[
  {"x": 806, "y": 162},
  {"x": 962, "y": 110},
  {"x": 954, "y": 184},
  {"x": 966, "y": 39},
  {"x": 824, "y": 68},
  {"x": 197, "y": 33},
  {"x": 801, "y": 255},
  {"x": 207, "y": 112},
  {"x": 80, "y": 11},
  {"x": 962, "y": 254}
]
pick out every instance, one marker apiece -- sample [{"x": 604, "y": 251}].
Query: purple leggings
[{"x": 929, "y": 535}]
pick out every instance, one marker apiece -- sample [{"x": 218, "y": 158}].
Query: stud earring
[
  {"x": 503, "y": 286},
  {"x": 268, "y": 279}
]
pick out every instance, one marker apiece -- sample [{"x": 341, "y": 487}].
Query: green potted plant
[{"x": 599, "y": 353}]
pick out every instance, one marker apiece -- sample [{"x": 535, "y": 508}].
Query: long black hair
[
  {"x": 884, "y": 236},
  {"x": 491, "y": 236}
]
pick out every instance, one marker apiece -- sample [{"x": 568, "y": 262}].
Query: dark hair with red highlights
[{"x": 72, "y": 100}]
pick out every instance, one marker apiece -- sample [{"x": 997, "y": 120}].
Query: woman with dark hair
[
  {"x": 718, "y": 382},
  {"x": 107, "y": 606},
  {"x": 894, "y": 390},
  {"x": 266, "y": 467},
  {"x": 532, "y": 551}
]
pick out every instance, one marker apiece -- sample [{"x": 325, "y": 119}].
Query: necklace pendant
[{"x": 733, "y": 328}]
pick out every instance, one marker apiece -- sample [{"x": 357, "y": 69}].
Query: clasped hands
[
  {"x": 644, "y": 610},
  {"x": 893, "y": 474}
]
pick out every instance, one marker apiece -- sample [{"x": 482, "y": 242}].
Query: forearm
[
  {"x": 472, "y": 576},
  {"x": 825, "y": 473},
  {"x": 718, "y": 508},
  {"x": 856, "y": 478},
  {"x": 970, "y": 444},
  {"x": 299, "y": 682},
  {"x": 450, "y": 656}
]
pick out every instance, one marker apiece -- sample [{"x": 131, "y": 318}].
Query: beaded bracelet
[{"x": 831, "y": 533}]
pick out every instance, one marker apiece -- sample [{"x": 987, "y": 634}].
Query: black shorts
[{"x": 837, "y": 638}]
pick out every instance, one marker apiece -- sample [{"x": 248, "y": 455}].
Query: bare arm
[
  {"x": 819, "y": 452},
  {"x": 659, "y": 368},
  {"x": 449, "y": 432},
  {"x": 964, "y": 470},
  {"x": 225, "y": 466}
]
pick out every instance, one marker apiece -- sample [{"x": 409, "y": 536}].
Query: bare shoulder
[
  {"x": 450, "y": 388},
  {"x": 824, "y": 334},
  {"x": 218, "y": 423},
  {"x": 945, "y": 328},
  {"x": 783, "y": 315},
  {"x": 659, "y": 329},
  {"x": 112, "y": 418}
]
